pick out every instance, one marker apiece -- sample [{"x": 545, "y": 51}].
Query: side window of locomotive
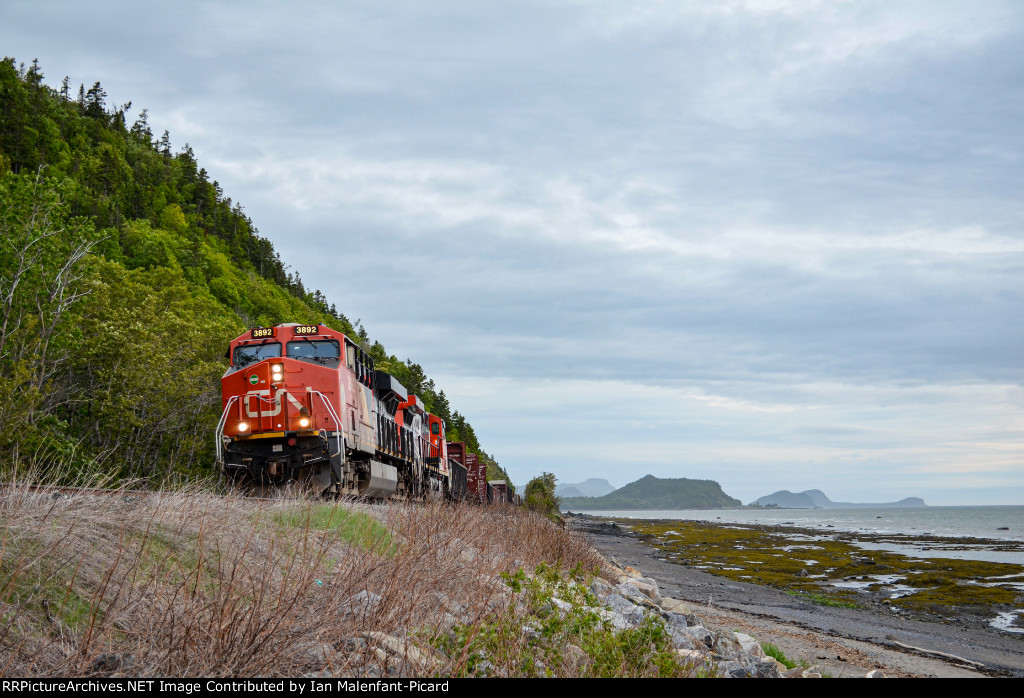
[
  {"x": 246, "y": 354},
  {"x": 434, "y": 428},
  {"x": 350, "y": 356},
  {"x": 322, "y": 351}
]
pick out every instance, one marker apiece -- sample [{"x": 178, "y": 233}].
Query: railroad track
[
  {"x": 277, "y": 494},
  {"x": 68, "y": 491}
]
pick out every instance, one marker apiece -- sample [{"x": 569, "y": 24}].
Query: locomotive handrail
[
  {"x": 334, "y": 415},
  {"x": 219, "y": 433}
]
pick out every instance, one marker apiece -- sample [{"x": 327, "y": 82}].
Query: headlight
[
  {"x": 277, "y": 371},
  {"x": 304, "y": 421},
  {"x": 243, "y": 426}
]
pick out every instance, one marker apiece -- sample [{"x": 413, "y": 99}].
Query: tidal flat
[{"x": 859, "y": 570}]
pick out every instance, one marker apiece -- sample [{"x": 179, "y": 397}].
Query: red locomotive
[{"x": 303, "y": 403}]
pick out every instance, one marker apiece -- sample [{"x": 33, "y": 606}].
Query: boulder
[
  {"x": 362, "y": 605},
  {"x": 749, "y": 644},
  {"x": 624, "y": 613},
  {"x": 401, "y": 652},
  {"x": 630, "y": 591},
  {"x": 769, "y": 668}
]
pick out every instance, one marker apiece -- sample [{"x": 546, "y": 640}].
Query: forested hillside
[{"x": 124, "y": 272}]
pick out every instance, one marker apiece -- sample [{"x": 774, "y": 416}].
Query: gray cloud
[{"x": 778, "y": 244}]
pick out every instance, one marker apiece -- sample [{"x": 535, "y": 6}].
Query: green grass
[
  {"x": 41, "y": 589},
  {"x": 778, "y": 655},
  {"x": 355, "y": 527}
]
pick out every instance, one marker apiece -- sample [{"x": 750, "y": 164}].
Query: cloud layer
[{"x": 775, "y": 244}]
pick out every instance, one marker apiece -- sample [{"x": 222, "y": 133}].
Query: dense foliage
[
  {"x": 124, "y": 272},
  {"x": 539, "y": 495}
]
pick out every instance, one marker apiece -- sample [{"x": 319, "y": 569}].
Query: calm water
[{"x": 947, "y": 522}]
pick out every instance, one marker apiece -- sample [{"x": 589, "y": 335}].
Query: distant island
[
  {"x": 816, "y": 499},
  {"x": 592, "y": 487},
  {"x": 650, "y": 492}
]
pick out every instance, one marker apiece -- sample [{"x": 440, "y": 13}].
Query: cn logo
[{"x": 265, "y": 406}]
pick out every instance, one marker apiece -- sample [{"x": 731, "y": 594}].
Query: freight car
[{"x": 303, "y": 404}]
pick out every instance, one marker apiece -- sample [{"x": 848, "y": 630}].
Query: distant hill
[
  {"x": 812, "y": 499},
  {"x": 593, "y": 487},
  {"x": 650, "y": 492}
]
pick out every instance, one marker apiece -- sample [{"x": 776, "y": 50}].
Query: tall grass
[{"x": 188, "y": 583}]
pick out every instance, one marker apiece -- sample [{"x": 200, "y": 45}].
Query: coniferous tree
[
  {"x": 164, "y": 148},
  {"x": 95, "y": 101}
]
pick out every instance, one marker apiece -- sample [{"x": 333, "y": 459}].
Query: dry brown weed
[{"x": 193, "y": 584}]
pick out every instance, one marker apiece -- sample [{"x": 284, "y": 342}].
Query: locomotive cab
[
  {"x": 280, "y": 421},
  {"x": 303, "y": 403}
]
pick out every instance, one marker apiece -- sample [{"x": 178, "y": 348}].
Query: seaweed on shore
[{"x": 832, "y": 568}]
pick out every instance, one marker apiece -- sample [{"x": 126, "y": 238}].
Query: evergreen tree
[
  {"x": 95, "y": 101},
  {"x": 164, "y": 147}
]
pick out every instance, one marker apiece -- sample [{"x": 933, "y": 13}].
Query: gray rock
[
  {"x": 352, "y": 644},
  {"x": 575, "y": 659},
  {"x": 631, "y": 615},
  {"x": 674, "y": 620},
  {"x": 649, "y": 587},
  {"x": 676, "y": 606},
  {"x": 768, "y": 668},
  {"x": 366, "y": 671},
  {"x": 600, "y": 588},
  {"x": 750, "y": 645},
  {"x": 450, "y": 608},
  {"x": 318, "y": 653},
  {"x": 363, "y": 604},
  {"x": 483, "y": 668},
  {"x": 725, "y": 645},
  {"x": 699, "y": 636},
  {"x": 402, "y": 653},
  {"x": 734, "y": 670},
  {"x": 106, "y": 663},
  {"x": 676, "y": 624},
  {"x": 563, "y": 606},
  {"x": 637, "y": 596}
]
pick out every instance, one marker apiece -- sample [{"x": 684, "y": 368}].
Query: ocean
[{"x": 1001, "y": 527}]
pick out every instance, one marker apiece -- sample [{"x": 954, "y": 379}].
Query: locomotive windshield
[
  {"x": 322, "y": 350},
  {"x": 248, "y": 353}
]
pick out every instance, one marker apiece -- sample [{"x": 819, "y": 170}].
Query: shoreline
[{"x": 843, "y": 641}]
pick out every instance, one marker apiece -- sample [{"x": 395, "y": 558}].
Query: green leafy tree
[
  {"x": 539, "y": 496},
  {"x": 42, "y": 277}
]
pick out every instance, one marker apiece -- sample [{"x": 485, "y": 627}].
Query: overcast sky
[{"x": 775, "y": 244}]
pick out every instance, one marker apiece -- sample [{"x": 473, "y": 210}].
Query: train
[{"x": 303, "y": 406}]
